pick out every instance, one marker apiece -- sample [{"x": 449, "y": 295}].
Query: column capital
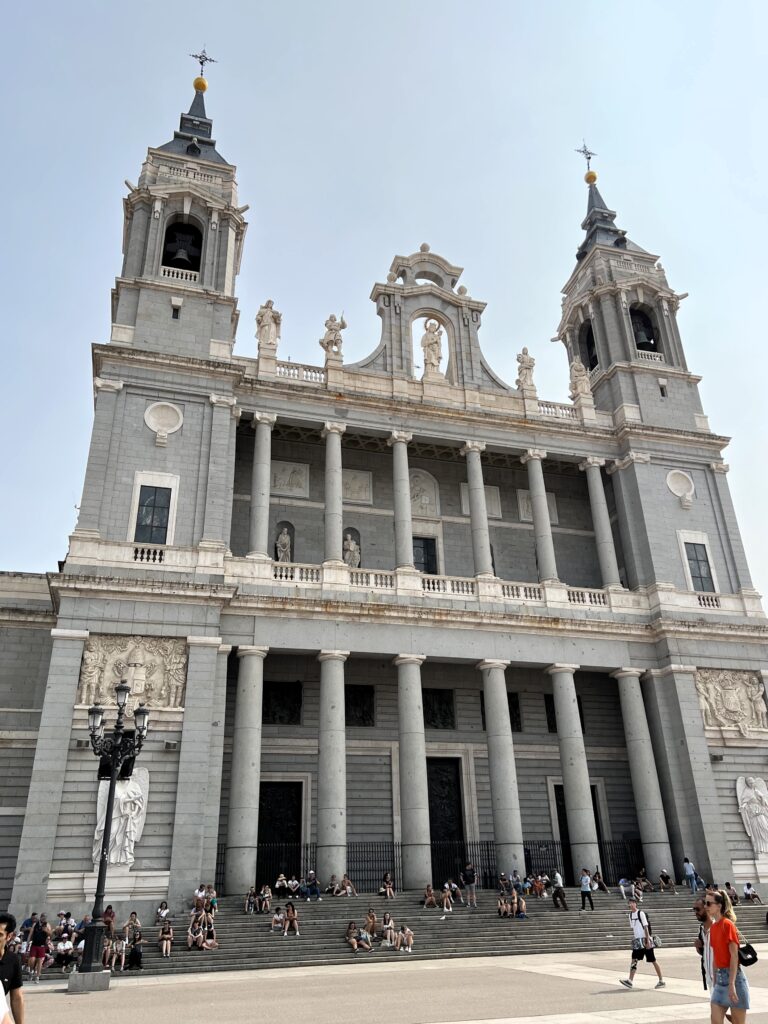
[
  {"x": 590, "y": 461},
  {"x": 333, "y": 655},
  {"x": 472, "y": 446},
  {"x": 70, "y": 634},
  {"x": 330, "y": 427},
  {"x": 248, "y": 651},
  {"x": 626, "y": 673},
  {"x": 682, "y": 670},
  {"x": 628, "y": 460},
  {"x": 554, "y": 669},
  {"x": 223, "y": 400},
  {"x": 399, "y": 435},
  {"x": 533, "y": 453},
  {"x": 263, "y": 417},
  {"x": 203, "y": 641},
  {"x": 225, "y": 648},
  {"x": 103, "y": 384},
  {"x": 492, "y": 663},
  {"x": 409, "y": 659}
]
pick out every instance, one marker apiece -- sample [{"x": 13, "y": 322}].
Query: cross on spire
[
  {"x": 202, "y": 58},
  {"x": 585, "y": 152}
]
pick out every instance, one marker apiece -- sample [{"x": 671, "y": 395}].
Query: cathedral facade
[{"x": 394, "y": 605}]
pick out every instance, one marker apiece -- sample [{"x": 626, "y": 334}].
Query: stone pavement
[{"x": 545, "y": 989}]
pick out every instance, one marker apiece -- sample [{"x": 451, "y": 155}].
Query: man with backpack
[{"x": 642, "y": 945}]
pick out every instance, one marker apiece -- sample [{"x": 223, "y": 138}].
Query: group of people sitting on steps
[
  {"x": 201, "y": 932},
  {"x": 384, "y": 931}
]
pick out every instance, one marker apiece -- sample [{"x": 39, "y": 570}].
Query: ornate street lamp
[{"x": 116, "y": 748}]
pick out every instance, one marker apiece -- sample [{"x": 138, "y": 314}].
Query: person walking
[
  {"x": 585, "y": 885},
  {"x": 689, "y": 874},
  {"x": 730, "y": 989},
  {"x": 558, "y": 891},
  {"x": 642, "y": 946},
  {"x": 701, "y": 943}
]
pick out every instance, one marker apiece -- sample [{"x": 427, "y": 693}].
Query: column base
[
  {"x": 417, "y": 865},
  {"x": 259, "y": 556},
  {"x": 488, "y": 587},
  {"x": 240, "y": 869},
  {"x": 331, "y": 860}
]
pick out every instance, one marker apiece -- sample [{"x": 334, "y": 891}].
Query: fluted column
[
  {"x": 642, "y": 766},
  {"x": 481, "y": 542},
  {"x": 331, "y": 768},
  {"x": 398, "y": 441},
  {"x": 573, "y": 764},
  {"x": 507, "y": 824},
  {"x": 542, "y": 529},
  {"x": 243, "y": 824},
  {"x": 414, "y": 791},
  {"x": 606, "y": 549},
  {"x": 334, "y": 525},
  {"x": 258, "y": 537}
]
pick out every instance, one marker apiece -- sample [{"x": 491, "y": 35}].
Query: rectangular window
[
  {"x": 698, "y": 565},
  {"x": 425, "y": 555},
  {"x": 439, "y": 711},
  {"x": 281, "y": 703},
  {"x": 359, "y": 706},
  {"x": 152, "y": 515},
  {"x": 513, "y": 702},
  {"x": 549, "y": 707},
  {"x": 175, "y": 313}
]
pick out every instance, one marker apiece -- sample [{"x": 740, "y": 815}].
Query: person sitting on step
[
  {"x": 388, "y": 930},
  {"x": 264, "y": 899},
  {"x": 666, "y": 882},
  {"x": 456, "y": 893},
  {"x": 505, "y": 885},
  {"x": 519, "y": 907},
  {"x": 249, "y": 903},
  {"x": 733, "y": 896},
  {"x": 330, "y": 889},
  {"x": 348, "y": 886},
  {"x": 311, "y": 888},
  {"x": 291, "y": 920},
  {"x": 387, "y": 889},
  {"x": 135, "y": 951},
  {"x": 165, "y": 939},
  {"x": 371, "y": 923},
  {"x": 516, "y": 881},
  {"x": 404, "y": 939},
  {"x": 750, "y": 894},
  {"x": 643, "y": 882},
  {"x": 210, "y": 941},
  {"x": 355, "y": 938},
  {"x": 503, "y": 907},
  {"x": 294, "y": 885},
  {"x": 599, "y": 881},
  {"x": 278, "y": 920},
  {"x": 212, "y": 898},
  {"x": 199, "y": 893},
  {"x": 281, "y": 886},
  {"x": 537, "y": 887},
  {"x": 429, "y": 897},
  {"x": 446, "y": 899},
  {"x": 195, "y": 936},
  {"x": 117, "y": 956}
]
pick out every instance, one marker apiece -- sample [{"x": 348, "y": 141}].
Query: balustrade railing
[
  {"x": 451, "y": 585},
  {"x": 299, "y": 372},
  {"x": 177, "y": 274},
  {"x": 522, "y": 592},
  {"x": 708, "y": 600},
  {"x": 153, "y": 555},
  {"x": 372, "y": 578},
  {"x": 293, "y": 572},
  {"x": 558, "y": 409},
  {"x": 587, "y": 597},
  {"x": 649, "y": 357}
]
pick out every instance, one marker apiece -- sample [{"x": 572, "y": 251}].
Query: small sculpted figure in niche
[
  {"x": 351, "y": 551},
  {"x": 331, "y": 340},
  {"x": 579, "y": 379},
  {"x": 268, "y": 322},
  {"x": 431, "y": 345},
  {"x": 283, "y": 545},
  {"x": 526, "y": 363}
]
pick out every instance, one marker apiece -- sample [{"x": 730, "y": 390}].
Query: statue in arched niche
[
  {"x": 431, "y": 345},
  {"x": 351, "y": 551},
  {"x": 283, "y": 545}
]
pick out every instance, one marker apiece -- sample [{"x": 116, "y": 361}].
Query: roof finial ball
[
  {"x": 200, "y": 83},
  {"x": 590, "y": 177}
]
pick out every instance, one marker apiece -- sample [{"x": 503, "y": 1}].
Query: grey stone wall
[{"x": 736, "y": 761}]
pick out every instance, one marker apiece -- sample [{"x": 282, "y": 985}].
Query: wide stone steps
[{"x": 246, "y": 942}]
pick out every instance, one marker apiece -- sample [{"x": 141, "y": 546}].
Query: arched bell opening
[
  {"x": 644, "y": 329},
  {"x": 587, "y": 345},
  {"x": 183, "y": 246}
]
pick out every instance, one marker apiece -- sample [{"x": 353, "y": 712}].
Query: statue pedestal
[
  {"x": 585, "y": 406},
  {"x": 123, "y": 883},
  {"x": 93, "y": 981},
  {"x": 334, "y": 371},
  {"x": 267, "y": 362},
  {"x": 753, "y": 871}
]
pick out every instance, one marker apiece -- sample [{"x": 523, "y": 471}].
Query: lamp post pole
[{"x": 117, "y": 748}]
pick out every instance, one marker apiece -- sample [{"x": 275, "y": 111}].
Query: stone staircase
[{"x": 246, "y": 942}]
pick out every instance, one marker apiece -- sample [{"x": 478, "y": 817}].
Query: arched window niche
[
  {"x": 432, "y": 344},
  {"x": 587, "y": 345},
  {"x": 182, "y": 245},
  {"x": 644, "y": 328},
  {"x": 285, "y": 542}
]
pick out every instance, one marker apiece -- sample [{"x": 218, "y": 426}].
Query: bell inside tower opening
[{"x": 183, "y": 246}]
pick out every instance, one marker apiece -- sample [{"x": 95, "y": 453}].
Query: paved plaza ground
[{"x": 550, "y": 989}]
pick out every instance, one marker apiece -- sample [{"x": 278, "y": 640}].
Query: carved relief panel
[
  {"x": 155, "y": 668},
  {"x": 732, "y": 702}
]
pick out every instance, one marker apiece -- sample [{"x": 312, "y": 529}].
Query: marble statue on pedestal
[
  {"x": 579, "y": 379},
  {"x": 268, "y": 323},
  {"x": 283, "y": 545},
  {"x": 351, "y": 551},
  {"x": 752, "y": 795},
  {"x": 525, "y": 363},
  {"x": 331, "y": 341},
  {"x": 128, "y": 817},
  {"x": 431, "y": 344}
]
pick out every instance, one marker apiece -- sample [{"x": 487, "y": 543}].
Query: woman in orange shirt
[{"x": 731, "y": 990}]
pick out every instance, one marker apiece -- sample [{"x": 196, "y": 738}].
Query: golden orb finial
[
  {"x": 200, "y": 84},
  {"x": 590, "y": 177}
]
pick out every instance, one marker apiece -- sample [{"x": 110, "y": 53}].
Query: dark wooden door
[
  {"x": 280, "y": 812},
  {"x": 446, "y": 812}
]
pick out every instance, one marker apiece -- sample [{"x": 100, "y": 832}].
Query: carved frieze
[
  {"x": 154, "y": 667},
  {"x": 732, "y": 699}
]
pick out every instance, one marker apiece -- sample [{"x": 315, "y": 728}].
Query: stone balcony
[{"x": 338, "y": 582}]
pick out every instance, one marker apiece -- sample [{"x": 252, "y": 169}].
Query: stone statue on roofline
[
  {"x": 268, "y": 323},
  {"x": 525, "y": 363},
  {"x": 331, "y": 341},
  {"x": 431, "y": 345},
  {"x": 579, "y": 379}
]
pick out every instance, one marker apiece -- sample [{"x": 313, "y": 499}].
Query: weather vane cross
[
  {"x": 586, "y": 153},
  {"x": 202, "y": 58}
]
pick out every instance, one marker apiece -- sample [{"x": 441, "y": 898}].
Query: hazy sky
[{"x": 360, "y": 130}]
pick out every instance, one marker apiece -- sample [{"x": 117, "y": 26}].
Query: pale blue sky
[{"x": 360, "y": 130}]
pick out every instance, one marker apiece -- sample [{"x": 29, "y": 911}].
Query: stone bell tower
[
  {"x": 619, "y": 317},
  {"x": 182, "y": 244}
]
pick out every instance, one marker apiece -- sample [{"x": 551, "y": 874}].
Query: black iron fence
[
  {"x": 273, "y": 859},
  {"x": 620, "y": 858},
  {"x": 221, "y": 853},
  {"x": 450, "y": 857},
  {"x": 367, "y": 863},
  {"x": 544, "y": 856}
]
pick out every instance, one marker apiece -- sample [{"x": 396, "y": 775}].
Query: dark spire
[
  {"x": 195, "y": 135},
  {"x": 599, "y": 224}
]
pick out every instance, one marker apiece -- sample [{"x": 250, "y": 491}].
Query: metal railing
[
  {"x": 449, "y": 858},
  {"x": 544, "y": 856},
  {"x": 367, "y": 863},
  {"x": 620, "y": 858},
  {"x": 273, "y": 859}
]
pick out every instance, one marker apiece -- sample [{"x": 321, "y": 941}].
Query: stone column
[
  {"x": 645, "y": 779},
  {"x": 98, "y": 457},
  {"x": 38, "y": 836},
  {"x": 331, "y": 769},
  {"x": 542, "y": 528},
  {"x": 334, "y": 524},
  {"x": 215, "y": 764},
  {"x": 244, "y": 787},
  {"x": 258, "y": 537},
  {"x": 218, "y": 491},
  {"x": 414, "y": 792},
  {"x": 195, "y": 786},
  {"x": 573, "y": 764},
  {"x": 606, "y": 550},
  {"x": 507, "y": 825},
  {"x": 398, "y": 441},
  {"x": 481, "y": 543}
]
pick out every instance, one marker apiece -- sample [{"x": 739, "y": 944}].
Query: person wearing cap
[
  {"x": 666, "y": 882},
  {"x": 642, "y": 946},
  {"x": 281, "y": 885}
]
